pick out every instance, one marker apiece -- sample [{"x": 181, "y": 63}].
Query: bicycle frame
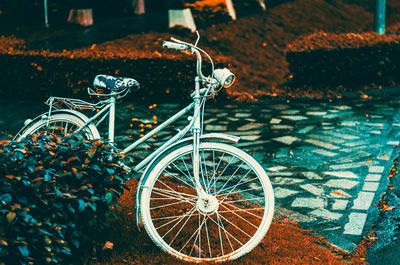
[{"x": 194, "y": 126}]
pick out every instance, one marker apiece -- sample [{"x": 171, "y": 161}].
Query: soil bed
[{"x": 285, "y": 243}]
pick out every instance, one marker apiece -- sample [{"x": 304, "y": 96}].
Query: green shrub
[
  {"x": 348, "y": 59},
  {"x": 56, "y": 195}
]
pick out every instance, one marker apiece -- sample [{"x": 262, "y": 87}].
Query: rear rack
[{"x": 74, "y": 104}]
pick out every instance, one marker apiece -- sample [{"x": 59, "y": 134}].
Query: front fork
[{"x": 196, "y": 140}]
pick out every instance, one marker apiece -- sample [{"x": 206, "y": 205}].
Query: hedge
[
  {"x": 56, "y": 196},
  {"x": 325, "y": 59},
  {"x": 36, "y": 77}
]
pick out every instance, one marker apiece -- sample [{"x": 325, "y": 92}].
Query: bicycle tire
[
  {"x": 56, "y": 124},
  {"x": 232, "y": 213}
]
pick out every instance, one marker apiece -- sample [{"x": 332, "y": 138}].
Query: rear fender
[{"x": 75, "y": 113}]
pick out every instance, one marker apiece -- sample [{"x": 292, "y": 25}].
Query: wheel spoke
[
  {"x": 191, "y": 229},
  {"x": 237, "y": 215},
  {"x": 239, "y": 209}
]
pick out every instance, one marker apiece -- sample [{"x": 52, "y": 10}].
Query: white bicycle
[{"x": 198, "y": 198}]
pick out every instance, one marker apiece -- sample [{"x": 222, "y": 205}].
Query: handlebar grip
[{"x": 174, "y": 45}]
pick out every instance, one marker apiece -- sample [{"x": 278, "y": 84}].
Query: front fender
[{"x": 208, "y": 136}]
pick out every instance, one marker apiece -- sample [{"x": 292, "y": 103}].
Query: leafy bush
[
  {"x": 349, "y": 59},
  {"x": 56, "y": 195}
]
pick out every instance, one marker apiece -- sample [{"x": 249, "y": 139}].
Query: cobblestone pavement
[{"x": 328, "y": 160}]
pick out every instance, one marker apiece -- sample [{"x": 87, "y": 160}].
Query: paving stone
[
  {"x": 376, "y": 169},
  {"x": 222, "y": 114},
  {"x": 275, "y": 121},
  {"x": 250, "y": 126},
  {"x": 308, "y": 203},
  {"x": 370, "y": 186},
  {"x": 277, "y": 168},
  {"x": 341, "y": 183},
  {"x": 376, "y": 117},
  {"x": 357, "y": 143},
  {"x": 281, "y": 193},
  {"x": 306, "y": 129},
  {"x": 290, "y": 111},
  {"x": 374, "y": 124},
  {"x": 316, "y": 113},
  {"x": 323, "y": 213},
  {"x": 352, "y": 149},
  {"x": 385, "y": 154},
  {"x": 311, "y": 175},
  {"x": 342, "y": 174},
  {"x": 250, "y": 137},
  {"x": 312, "y": 189},
  {"x": 210, "y": 120},
  {"x": 352, "y": 165},
  {"x": 280, "y": 174},
  {"x": 286, "y": 139},
  {"x": 220, "y": 128},
  {"x": 281, "y": 127},
  {"x": 337, "y": 115},
  {"x": 294, "y": 117},
  {"x": 326, "y": 138},
  {"x": 322, "y": 144},
  {"x": 324, "y": 152},
  {"x": 373, "y": 177},
  {"x": 286, "y": 181},
  {"x": 348, "y": 123},
  {"x": 355, "y": 224},
  {"x": 327, "y": 124},
  {"x": 242, "y": 115},
  {"x": 363, "y": 201},
  {"x": 343, "y": 135},
  {"x": 339, "y": 204}
]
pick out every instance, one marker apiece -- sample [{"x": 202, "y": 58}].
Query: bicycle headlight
[{"x": 224, "y": 76}]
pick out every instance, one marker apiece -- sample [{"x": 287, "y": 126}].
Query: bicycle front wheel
[
  {"x": 234, "y": 220},
  {"x": 59, "y": 124}
]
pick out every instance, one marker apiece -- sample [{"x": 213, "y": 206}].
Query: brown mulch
[
  {"x": 285, "y": 243},
  {"x": 323, "y": 40}
]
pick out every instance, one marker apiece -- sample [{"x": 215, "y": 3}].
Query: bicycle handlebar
[
  {"x": 176, "y": 46},
  {"x": 183, "y": 46}
]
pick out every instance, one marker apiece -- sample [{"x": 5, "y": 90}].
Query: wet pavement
[{"x": 328, "y": 160}]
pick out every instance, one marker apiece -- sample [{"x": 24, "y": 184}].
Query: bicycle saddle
[{"x": 113, "y": 83}]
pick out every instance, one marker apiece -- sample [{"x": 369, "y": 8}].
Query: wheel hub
[{"x": 207, "y": 205}]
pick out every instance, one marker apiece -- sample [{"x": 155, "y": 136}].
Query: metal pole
[
  {"x": 46, "y": 18},
  {"x": 380, "y": 16}
]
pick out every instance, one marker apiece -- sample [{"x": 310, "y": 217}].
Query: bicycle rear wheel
[
  {"x": 236, "y": 218},
  {"x": 59, "y": 124}
]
